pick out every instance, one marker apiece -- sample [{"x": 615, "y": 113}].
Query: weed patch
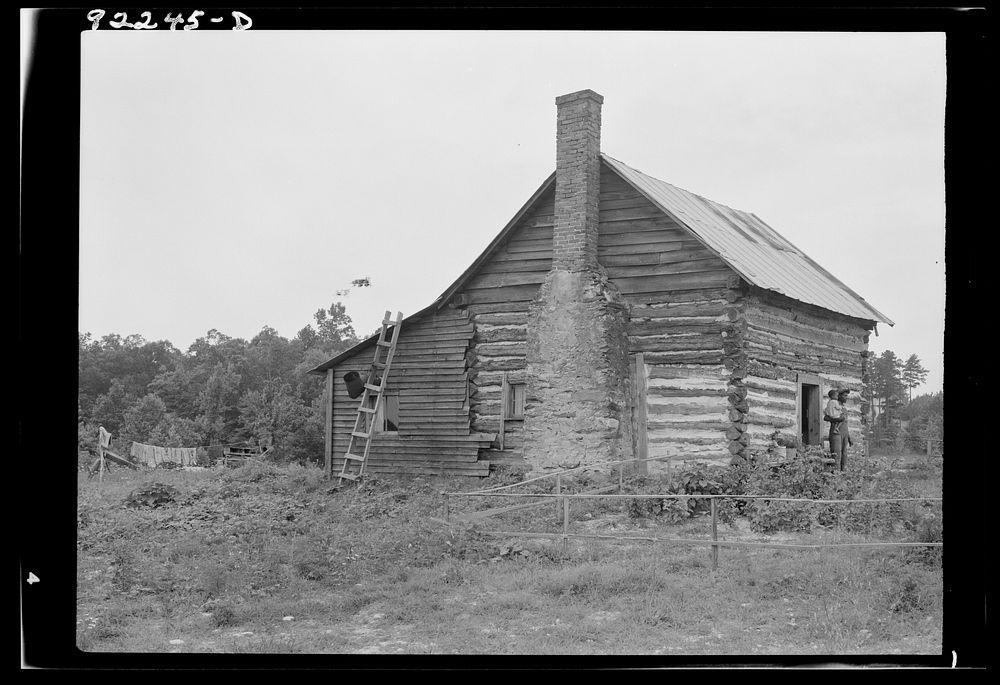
[{"x": 266, "y": 559}]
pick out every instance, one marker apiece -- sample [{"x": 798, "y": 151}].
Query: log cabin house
[{"x": 614, "y": 317}]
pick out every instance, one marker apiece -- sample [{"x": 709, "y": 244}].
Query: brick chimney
[
  {"x": 576, "y": 407},
  {"x": 578, "y": 180}
]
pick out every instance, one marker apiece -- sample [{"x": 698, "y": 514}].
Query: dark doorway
[{"x": 810, "y": 414}]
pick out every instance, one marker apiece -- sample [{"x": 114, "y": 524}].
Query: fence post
[
  {"x": 715, "y": 535},
  {"x": 558, "y": 491},
  {"x": 565, "y": 523}
]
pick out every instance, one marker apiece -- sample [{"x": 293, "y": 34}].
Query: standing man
[{"x": 840, "y": 435}]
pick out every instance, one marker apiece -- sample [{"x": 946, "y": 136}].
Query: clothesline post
[{"x": 100, "y": 454}]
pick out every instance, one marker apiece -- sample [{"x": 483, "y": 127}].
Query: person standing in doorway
[{"x": 840, "y": 434}]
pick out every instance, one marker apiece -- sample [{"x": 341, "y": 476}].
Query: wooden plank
[
  {"x": 423, "y": 387},
  {"x": 669, "y": 327},
  {"x": 523, "y": 256},
  {"x": 492, "y": 350},
  {"x": 418, "y": 443},
  {"x": 417, "y": 356},
  {"x": 417, "y": 380},
  {"x": 639, "y": 429},
  {"x": 632, "y": 201},
  {"x": 381, "y": 455},
  {"x": 498, "y": 307},
  {"x": 328, "y": 424},
  {"x": 472, "y": 439},
  {"x": 697, "y": 308},
  {"x": 437, "y": 326},
  {"x": 508, "y": 294},
  {"x": 426, "y": 455},
  {"x": 519, "y": 318},
  {"x": 443, "y": 369},
  {"x": 536, "y": 245},
  {"x": 658, "y": 391},
  {"x": 667, "y": 283},
  {"x": 649, "y": 211},
  {"x": 443, "y": 337},
  {"x": 425, "y": 465},
  {"x": 603, "y": 251},
  {"x": 673, "y": 297},
  {"x": 705, "y": 261},
  {"x": 529, "y": 265},
  {"x": 666, "y": 343},
  {"x": 504, "y": 279},
  {"x": 489, "y": 334},
  {"x": 712, "y": 357},
  {"x": 659, "y": 223},
  {"x": 662, "y": 235}
]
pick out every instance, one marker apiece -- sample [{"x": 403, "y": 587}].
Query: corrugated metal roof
[{"x": 752, "y": 248}]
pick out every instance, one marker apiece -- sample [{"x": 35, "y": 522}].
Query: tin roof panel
[{"x": 751, "y": 247}]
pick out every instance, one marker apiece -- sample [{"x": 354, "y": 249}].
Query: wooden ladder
[{"x": 373, "y": 387}]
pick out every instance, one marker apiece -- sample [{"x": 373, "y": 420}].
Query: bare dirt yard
[{"x": 269, "y": 559}]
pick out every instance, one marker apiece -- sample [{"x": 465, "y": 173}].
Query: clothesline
[
  {"x": 153, "y": 455},
  {"x": 229, "y": 444}
]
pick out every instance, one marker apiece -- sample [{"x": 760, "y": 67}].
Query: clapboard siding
[
  {"x": 429, "y": 375},
  {"x": 497, "y": 300},
  {"x": 648, "y": 255}
]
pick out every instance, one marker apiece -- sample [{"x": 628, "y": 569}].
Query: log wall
[
  {"x": 784, "y": 340},
  {"x": 678, "y": 292},
  {"x": 722, "y": 358}
]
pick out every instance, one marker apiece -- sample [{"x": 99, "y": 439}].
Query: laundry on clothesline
[{"x": 152, "y": 455}]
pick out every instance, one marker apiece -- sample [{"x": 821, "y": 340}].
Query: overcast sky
[{"x": 238, "y": 179}]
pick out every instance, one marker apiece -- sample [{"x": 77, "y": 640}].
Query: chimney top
[{"x": 580, "y": 95}]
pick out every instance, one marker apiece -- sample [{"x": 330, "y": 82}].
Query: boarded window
[{"x": 515, "y": 401}]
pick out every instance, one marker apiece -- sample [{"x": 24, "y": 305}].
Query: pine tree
[{"x": 913, "y": 374}]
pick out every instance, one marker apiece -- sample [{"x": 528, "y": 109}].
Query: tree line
[
  {"x": 222, "y": 390},
  {"x": 900, "y": 418},
  {"x": 226, "y": 390}
]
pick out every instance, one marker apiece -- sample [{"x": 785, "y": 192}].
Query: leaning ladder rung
[
  {"x": 378, "y": 365},
  {"x": 348, "y": 476},
  {"x": 348, "y": 455},
  {"x": 374, "y": 388},
  {"x": 359, "y": 434},
  {"x": 384, "y": 343},
  {"x": 367, "y": 410}
]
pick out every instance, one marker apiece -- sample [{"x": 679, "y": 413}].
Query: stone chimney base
[{"x": 576, "y": 404}]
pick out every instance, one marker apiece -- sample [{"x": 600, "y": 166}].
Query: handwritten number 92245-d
[{"x": 120, "y": 20}]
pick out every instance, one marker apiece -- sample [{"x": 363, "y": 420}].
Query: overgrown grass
[{"x": 276, "y": 560}]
